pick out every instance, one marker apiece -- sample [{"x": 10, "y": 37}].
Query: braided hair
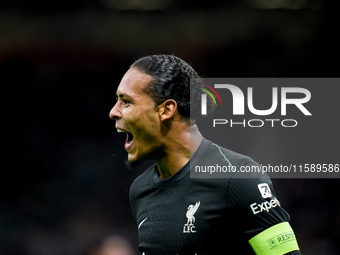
[{"x": 175, "y": 79}]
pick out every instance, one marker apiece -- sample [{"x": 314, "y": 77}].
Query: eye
[{"x": 125, "y": 101}]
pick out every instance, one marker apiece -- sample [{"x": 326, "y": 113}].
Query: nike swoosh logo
[{"x": 140, "y": 224}]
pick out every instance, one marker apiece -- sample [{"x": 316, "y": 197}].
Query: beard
[
  {"x": 131, "y": 165},
  {"x": 141, "y": 160}
]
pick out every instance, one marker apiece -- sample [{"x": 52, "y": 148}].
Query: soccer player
[{"x": 176, "y": 214}]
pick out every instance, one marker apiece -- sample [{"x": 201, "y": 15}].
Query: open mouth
[{"x": 129, "y": 139}]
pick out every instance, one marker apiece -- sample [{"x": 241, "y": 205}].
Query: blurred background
[{"x": 64, "y": 183}]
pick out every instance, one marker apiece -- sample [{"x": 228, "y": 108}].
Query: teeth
[{"x": 120, "y": 130}]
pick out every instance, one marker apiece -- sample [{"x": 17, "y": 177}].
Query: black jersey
[{"x": 183, "y": 215}]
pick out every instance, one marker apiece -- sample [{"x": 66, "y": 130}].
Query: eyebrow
[{"x": 123, "y": 95}]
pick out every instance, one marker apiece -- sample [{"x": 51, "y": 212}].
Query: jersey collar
[{"x": 185, "y": 170}]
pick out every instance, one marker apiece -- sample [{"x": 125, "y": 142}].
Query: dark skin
[{"x": 159, "y": 132}]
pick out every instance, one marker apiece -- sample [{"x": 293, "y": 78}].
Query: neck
[{"x": 178, "y": 151}]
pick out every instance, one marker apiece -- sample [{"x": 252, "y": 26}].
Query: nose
[{"x": 115, "y": 114}]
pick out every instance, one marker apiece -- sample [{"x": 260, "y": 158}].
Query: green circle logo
[{"x": 272, "y": 242}]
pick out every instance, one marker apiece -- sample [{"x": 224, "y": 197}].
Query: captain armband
[{"x": 276, "y": 240}]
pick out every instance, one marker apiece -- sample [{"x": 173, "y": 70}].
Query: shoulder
[
  {"x": 242, "y": 185},
  {"x": 142, "y": 181},
  {"x": 217, "y": 161},
  {"x": 139, "y": 187},
  {"x": 234, "y": 158}
]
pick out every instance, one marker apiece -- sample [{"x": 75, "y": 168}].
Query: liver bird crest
[{"x": 191, "y": 211}]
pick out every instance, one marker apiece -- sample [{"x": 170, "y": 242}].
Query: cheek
[
  {"x": 147, "y": 132},
  {"x": 146, "y": 128}
]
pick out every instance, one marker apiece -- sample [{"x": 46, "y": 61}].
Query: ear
[{"x": 167, "y": 109}]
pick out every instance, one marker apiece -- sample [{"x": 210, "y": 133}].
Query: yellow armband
[{"x": 276, "y": 240}]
